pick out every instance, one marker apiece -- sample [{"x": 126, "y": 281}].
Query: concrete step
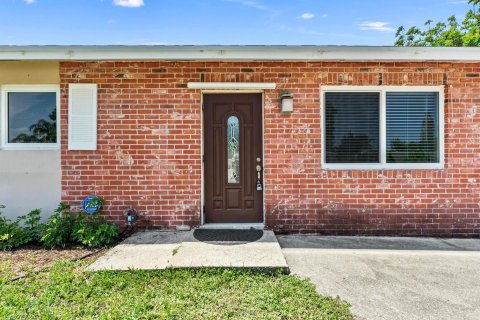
[{"x": 152, "y": 250}]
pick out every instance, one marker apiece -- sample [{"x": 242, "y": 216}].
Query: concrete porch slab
[{"x": 180, "y": 249}]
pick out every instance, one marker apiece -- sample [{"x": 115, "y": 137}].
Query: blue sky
[{"x": 170, "y": 22}]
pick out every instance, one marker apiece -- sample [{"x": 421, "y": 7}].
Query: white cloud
[
  {"x": 251, "y": 3},
  {"x": 324, "y": 15},
  {"x": 272, "y": 13},
  {"x": 375, "y": 26},
  {"x": 29, "y": 1},
  {"x": 128, "y": 3},
  {"x": 307, "y": 16}
]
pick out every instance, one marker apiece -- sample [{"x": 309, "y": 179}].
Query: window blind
[
  {"x": 412, "y": 127},
  {"x": 352, "y": 127}
]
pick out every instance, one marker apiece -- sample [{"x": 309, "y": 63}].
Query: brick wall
[{"x": 149, "y": 153}]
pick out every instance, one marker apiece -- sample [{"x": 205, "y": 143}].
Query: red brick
[{"x": 149, "y": 156}]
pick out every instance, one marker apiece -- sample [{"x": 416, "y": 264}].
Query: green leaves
[
  {"x": 444, "y": 34},
  {"x": 63, "y": 227},
  {"x": 11, "y": 235},
  {"x": 25, "y": 229},
  {"x": 93, "y": 232},
  {"x": 58, "y": 229},
  {"x": 66, "y": 226}
]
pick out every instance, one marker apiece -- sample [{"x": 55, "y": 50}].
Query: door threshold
[{"x": 235, "y": 226}]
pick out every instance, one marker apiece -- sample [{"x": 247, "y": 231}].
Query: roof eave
[{"x": 240, "y": 53}]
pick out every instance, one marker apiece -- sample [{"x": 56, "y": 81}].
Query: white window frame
[
  {"x": 5, "y": 89},
  {"x": 382, "y": 90}
]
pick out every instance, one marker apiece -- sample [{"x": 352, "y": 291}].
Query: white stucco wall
[{"x": 29, "y": 179}]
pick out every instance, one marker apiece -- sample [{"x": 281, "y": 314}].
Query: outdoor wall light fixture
[{"x": 286, "y": 106}]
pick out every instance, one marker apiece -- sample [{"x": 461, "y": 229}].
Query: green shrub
[
  {"x": 11, "y": 235},
  {"x": 32, "y": 228},
  {"x": 59, "y": 227},
  {"x": 63, "y": 227},
  {"x": 94, "y": 231},
  {"x": 25, "y": 229},
  {"x": 67, "y": 226}
]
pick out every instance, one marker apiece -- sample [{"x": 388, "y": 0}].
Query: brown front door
[{"x": 233, "y": 150}]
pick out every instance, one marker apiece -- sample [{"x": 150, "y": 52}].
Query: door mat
[{"x": 227, "y": 236}]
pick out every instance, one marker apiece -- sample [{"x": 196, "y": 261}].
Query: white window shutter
[{"x": 82, "y": 116}]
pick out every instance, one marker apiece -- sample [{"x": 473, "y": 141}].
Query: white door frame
[{"x": 202, "y": 193}]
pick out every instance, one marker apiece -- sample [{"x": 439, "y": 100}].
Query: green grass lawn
[{"x": 65, "y": 291}]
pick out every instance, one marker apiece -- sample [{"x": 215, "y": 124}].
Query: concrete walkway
[
  {"x": 392, "y": 278},
  {"x": 383, "y": 278},
  {"x": 161, "y": 250}
]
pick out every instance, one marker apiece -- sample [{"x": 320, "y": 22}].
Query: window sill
[
  {"x": 30, "y": 148},
  {"x": 393, "y": 166}
]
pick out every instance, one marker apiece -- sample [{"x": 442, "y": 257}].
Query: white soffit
[
  {"x": 240, "y": 53},
  {"x": 232, "y": 85}
]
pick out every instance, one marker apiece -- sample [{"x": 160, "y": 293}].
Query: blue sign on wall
[{"x": 91, "y": 204}]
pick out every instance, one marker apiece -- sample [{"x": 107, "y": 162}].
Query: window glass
[
  {"x": 352, "y": 127},
  {"x": 412, "y": 127},
  {"x": 32, "y": 117},
  {"x": 233, "y": 147}
]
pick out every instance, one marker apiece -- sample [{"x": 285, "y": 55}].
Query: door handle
[
  {"x": 259, "y": 169},
  {"x": 259, "y": 178}
]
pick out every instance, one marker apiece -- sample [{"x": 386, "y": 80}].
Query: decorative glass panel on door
[{"x": 233, "y": 147}]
